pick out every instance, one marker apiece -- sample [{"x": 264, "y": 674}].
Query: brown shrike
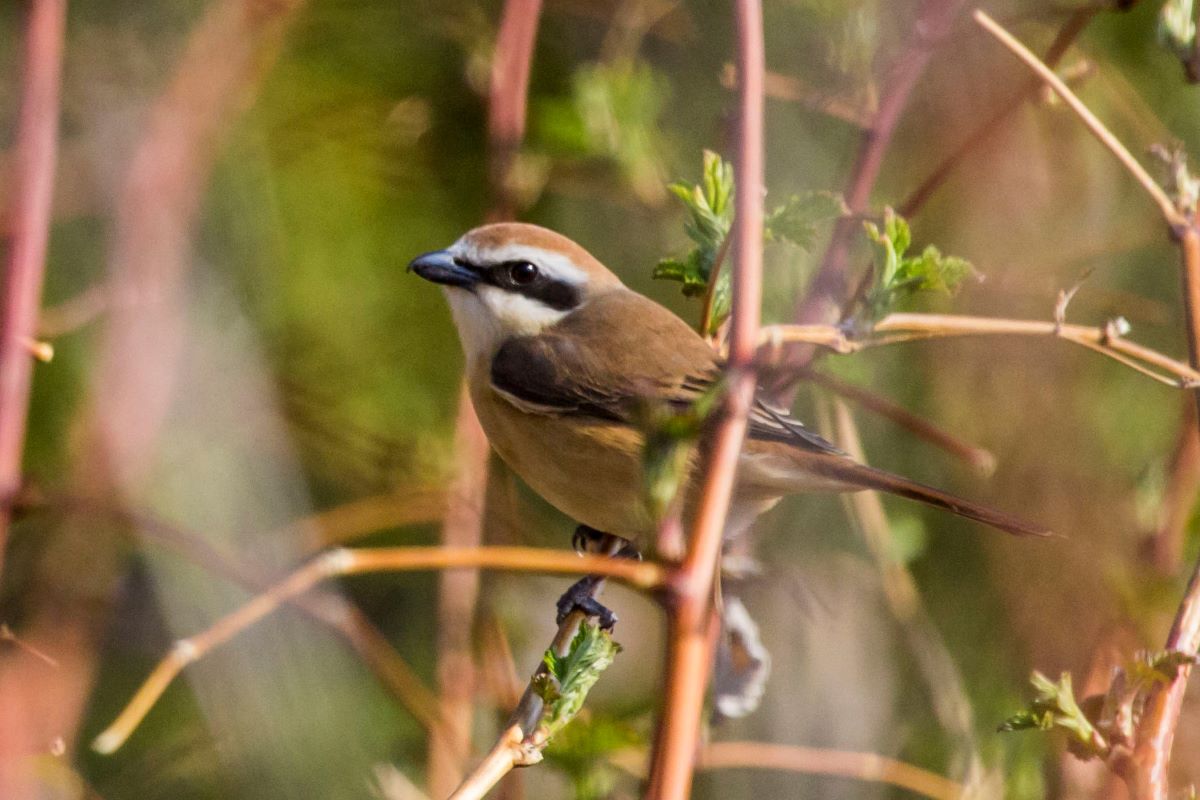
[{"x": 560, "y": 357}]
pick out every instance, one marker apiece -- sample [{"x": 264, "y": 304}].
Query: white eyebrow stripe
[{"x": 556, "y": 265}]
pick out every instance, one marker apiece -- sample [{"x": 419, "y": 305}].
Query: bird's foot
[
  {"x": 582, "y": 594},
  {"x": 582, "y": 597}
]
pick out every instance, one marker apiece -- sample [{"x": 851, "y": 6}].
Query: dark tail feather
[{"x": 862, "y": 476}]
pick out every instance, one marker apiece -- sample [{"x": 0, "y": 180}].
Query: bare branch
[
  {"x": 821, "y": 761},
  {"x": 1093, "y": 123},
  {"x": 690, "y": 618},
  {"x": 642, "y": 575},
  {"x": 37, "y": 154},
  {"x": 901, "y": 328}
]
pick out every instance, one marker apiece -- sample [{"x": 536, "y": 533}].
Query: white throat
[{"x": 488, "y": 316}]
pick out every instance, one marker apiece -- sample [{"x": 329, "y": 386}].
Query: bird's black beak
[{"x": 440, "y": 267}]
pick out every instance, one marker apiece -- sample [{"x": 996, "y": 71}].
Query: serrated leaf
[
  {"x": 1055, "y": 707},
  {"x": 567, "y": 680},
  {"x": 899, "y": 275},
  {"x": 796, "y": 220}
]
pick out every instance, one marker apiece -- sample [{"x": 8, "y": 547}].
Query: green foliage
[
  {"x": 566, "y": 681},
  {"x": 1055, "y": 707},
  {"x": 709, "y": 207},
  {"x": 670, "y": 435},
  {"x": 613, "y": 113},
  {"x": 1177, "y": 27},
  {"x": 1102, "y": 721},
  {"x": 796, "y": 221},
  {"x": 583, "y": 751},
  {"x": 899, "y": 276}
]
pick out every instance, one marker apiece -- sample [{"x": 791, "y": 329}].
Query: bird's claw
[{"x": 580, "y": 597}]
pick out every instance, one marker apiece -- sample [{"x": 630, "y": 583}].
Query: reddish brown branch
[
  {"x": 1160, "y": 715},
  {"x": 827, "y": 288},
  {"x": 690, "y": 587},
  {"x": 509, "y": 98},
  {"x": 37, "y": 153}
]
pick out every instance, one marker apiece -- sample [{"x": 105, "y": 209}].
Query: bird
[{"x": 561, "y": 358}]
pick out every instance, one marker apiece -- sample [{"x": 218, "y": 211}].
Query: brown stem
[
  {"x": 828, "y": 287},
  {"x": 821, "y": 761},
  {"x": 1179, "y": 497},
  {"x": 508, "y": 99},
  {"x": 691, "y": 584},
  {"x": 1160, "y": 715},
  {"x": 36, "y": 158},
  {"x": 981, "y": 459}
]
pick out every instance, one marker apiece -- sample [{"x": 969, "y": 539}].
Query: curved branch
[
  {"x": 901, "y": 328},
  {"x": 821, "y": 761},
  {"x": 642, "y": 575}
]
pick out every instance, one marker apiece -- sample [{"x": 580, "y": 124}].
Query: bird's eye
[{"x": 522, "y": 273}]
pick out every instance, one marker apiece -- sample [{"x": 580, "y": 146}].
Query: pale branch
[
  {"x": 1106, "y": 340},
  {"x": 522, "y": 743},
  {"x": 643, "y": 575},
  {"x": 1170, "y": 213},
  {"x": 331, "y": 610},
  {"x": 822, "y": 761}
]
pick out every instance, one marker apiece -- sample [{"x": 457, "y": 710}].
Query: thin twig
[
  {"x": 522, "y": 742},
  {"x": 983, "y": 460},
  {"x": 37, "y": 154},
  {"x": 642, "y": 575},
  {"x": 458, "y": 592},
  {"x": 1165, "y": 204},
  {"x": 827, "y": 288},
  {"x": 1179, "y": 496},
  {"x": 901, "y": 328},
  {"x": 691, "y": 585},
  {"x": 821, "y": 761},
  {"x": 1067, "y": 34}
]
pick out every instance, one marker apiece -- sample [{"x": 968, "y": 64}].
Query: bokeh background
[{"x": 238, "y": 348}]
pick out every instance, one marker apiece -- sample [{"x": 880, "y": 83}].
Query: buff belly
[{"x": 589, "y": 470}]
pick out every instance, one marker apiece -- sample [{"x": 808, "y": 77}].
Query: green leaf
[
  {"x": 796, "y": 220},
  {"x": 1177, "y": 27},
  {"x": 583, "y": 750},
  {"x": 670, "y": 434},
  {"x": 1055, "y": 707},
  {"x": 566, "y": 681},
  {"x": 899, "y": 276}
]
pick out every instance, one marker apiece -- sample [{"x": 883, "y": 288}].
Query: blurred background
[{"x": 244, "y": 374}]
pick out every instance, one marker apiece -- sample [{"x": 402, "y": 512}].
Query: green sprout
[{"x": 899, "y": 275}]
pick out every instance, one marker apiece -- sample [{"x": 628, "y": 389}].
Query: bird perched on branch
[{"x": 560, "y": 358}]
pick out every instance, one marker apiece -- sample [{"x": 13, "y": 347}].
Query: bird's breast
[{"x": 589, "y": 469}]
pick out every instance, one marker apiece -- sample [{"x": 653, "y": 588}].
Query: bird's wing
[{"x": 616, "y": 352}]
